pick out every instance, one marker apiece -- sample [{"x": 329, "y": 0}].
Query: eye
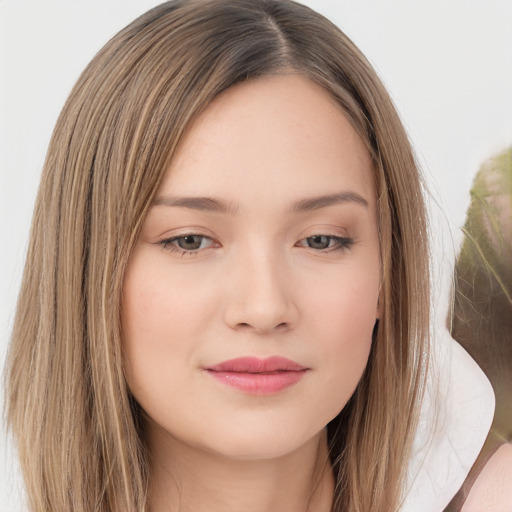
[
  {"x": 326, "y": 242},
  {"x": 187, "y": 244}
]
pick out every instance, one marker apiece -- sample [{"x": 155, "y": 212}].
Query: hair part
[{"x": 80, "y": 439}]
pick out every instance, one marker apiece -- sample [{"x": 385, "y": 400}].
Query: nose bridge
[{"x": 260, "y": 296}]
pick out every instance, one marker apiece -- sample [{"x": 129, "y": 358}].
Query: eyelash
[
  {"x": 169, "y": 244},
  {"x": 341, "y": 243}
]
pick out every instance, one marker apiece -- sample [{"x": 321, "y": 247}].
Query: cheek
[
  {"x": 160, "y": 299},
  {"x": 345, "y": 307},
  {"x": 163, "y": 319},
  {"x": 342, "y": 323}
]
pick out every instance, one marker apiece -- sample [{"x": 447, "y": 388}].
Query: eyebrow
[
  {"x": 210, "y": 204},
  {"x": 206, "y": 204},
  {"x": 315, "y": 203}
]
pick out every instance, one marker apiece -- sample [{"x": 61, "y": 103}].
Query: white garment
[{"x": 456, "y": 416}]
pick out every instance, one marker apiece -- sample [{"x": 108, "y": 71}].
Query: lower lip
[{"x": 259, "y": 383}]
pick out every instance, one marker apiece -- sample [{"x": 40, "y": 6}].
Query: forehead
[{"x": 277, "y": 135}]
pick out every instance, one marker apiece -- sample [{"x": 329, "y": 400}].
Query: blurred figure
[{"x": 481, "y": 321}]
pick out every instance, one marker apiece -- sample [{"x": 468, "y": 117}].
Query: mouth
[{"x": 258, "y": 376}]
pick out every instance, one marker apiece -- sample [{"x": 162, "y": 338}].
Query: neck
[{"x": 187, "y": 479}]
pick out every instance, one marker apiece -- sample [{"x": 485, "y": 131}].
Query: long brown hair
[{"x": 80, "y": 439}]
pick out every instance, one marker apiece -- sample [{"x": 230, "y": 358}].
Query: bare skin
[
  {"x": 298, "y": 482},
  {"x": 492, "y": 491}
]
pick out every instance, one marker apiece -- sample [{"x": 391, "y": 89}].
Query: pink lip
[{"x": 258, "y": 376}]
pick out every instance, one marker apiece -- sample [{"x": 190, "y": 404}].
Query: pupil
[{"x": 319, "y": 242}]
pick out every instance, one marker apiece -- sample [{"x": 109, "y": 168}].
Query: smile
[{"x": 258, "y": 376}]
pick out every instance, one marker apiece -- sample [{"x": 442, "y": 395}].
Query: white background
[{"x": 447, "y": 64}]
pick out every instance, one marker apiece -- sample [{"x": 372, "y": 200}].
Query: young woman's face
[{"x": 252, "y": 293}]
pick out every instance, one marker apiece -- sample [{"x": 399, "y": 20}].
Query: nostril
[{"x": 283, "y": 326}]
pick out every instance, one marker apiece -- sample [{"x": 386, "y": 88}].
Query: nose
[{"x": 261, "y": 297}]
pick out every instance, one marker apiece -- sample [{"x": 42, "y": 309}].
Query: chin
[{"x": 261, "y": 444}]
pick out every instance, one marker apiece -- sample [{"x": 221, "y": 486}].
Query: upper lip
[{"x": 256, "y": 365}]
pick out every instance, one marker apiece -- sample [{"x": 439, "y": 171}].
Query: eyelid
[
  {"x": 342, "y": 243},
  {"x": 169, "y": 245}
]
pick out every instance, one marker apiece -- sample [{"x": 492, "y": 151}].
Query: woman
[
  {"x": 225, "y": 300},
  {"x": 481, "y": 322}
]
